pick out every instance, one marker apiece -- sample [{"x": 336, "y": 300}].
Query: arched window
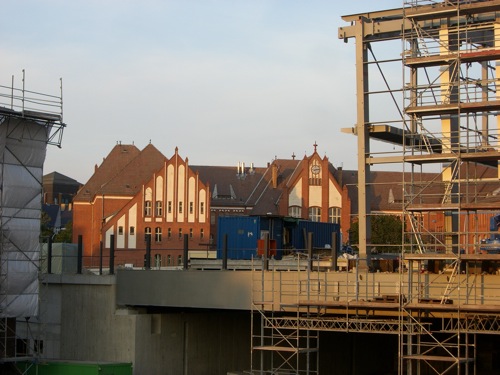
[
  {"x": 148, "y": 202},
  {"x": 147, "y": 232},
  {"x": 295, "y": 211},
  {"x": 147, "y": 208},
  {"x": 334, "y": 215},
  {"x": 158, "y": 234},
  {"x": 315, "y": 213},
  {"x": 159, "y": 208}
]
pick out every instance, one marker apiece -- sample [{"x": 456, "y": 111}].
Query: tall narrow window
[
  {"x": 334, "y": 215},
  {"x": 315, "y": 213},
  {"x": 179, "y": 260},
  {"x": 169, "y": 207},
  {"x": 202, "y": 234},
  {"x": 169, "y": 260},
  {"x": 295, "y": 211},
  {"x": 147, "y": 208},
  {"x": 132, "y": 231},
  {"x": 180, "y": 207},
  {"x": 158, "y": 234},
  {"x": 180, "y": 232},
  {"x": 148, "y": 202},
  {"x": 147, "y": 232},
  {"x": 159, "y": 208},
  {"x": 191, "y": 233},
  {"x": 202, "y": 208},
  {"x": 191, "y": 207},
  {"x": 120, "y": 230},
  {"x": 169, "y": 233}
]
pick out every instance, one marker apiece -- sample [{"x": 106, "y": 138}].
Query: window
[
  {"x": 180, "y": 207},
  {"x": 295, "y": 211},
  {"x": 120, "y": 231},
  {"x": 180, "y": 232},
  {"x": 169, "y": 232},
  {"x": 334, "y": 215},
  {"x": 179, "y": 260},
  {"x": 147, "y": 208},
  {"x": 169, "y": 207},
  {"x": 315, "y": 213},
  {"x": 159, "y": 208},
  {"x": 202, "y": 208},
  {"x": 202, "y": 233},
  {"x": 191, "y": 233},
  {"x": 191, "y": 207},
  {"x": 169, "y": 260},
  {"x": 147, "y": 232},
  {"x": 158, "y": 234},
  {"x": 132, "y": 231}
]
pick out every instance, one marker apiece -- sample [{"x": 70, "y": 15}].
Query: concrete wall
[{"x": 156, "y": 342}]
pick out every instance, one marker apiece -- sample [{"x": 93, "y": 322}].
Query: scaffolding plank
[
  {"x": 453, "y": 108},
  {"x": 444, "y": 59},
  {"x": 449, "y": 9}
]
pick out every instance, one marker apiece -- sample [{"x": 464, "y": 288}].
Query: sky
[{"x": 225, "y": 81}]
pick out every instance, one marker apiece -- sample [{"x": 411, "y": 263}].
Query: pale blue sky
[{"x": 225, "y": 81}]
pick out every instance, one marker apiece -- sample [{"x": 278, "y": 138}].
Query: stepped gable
[
  {"x": 113, "y": 164},
  {"x": 227, "y": 187},
  {"x": 138, "y": 171}
]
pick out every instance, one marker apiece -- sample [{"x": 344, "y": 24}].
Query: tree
[
  {"x": 45, "y": 230},
  {"x": 386, "y": 230},
  {"x": 66, "y": 234}
]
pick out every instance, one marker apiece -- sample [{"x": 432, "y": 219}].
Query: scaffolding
[
  {"x": 29, "y": 121},
  {"x": 435, "y": 63}
]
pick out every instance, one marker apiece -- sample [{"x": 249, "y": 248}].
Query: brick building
[
  {"x": 137, "y": 192},
  {"x": 134, "y": 193}
]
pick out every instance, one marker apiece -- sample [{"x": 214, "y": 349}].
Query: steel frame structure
[
  {"x": 445, "y": 109},
  {"x": 445, "y": 125}
]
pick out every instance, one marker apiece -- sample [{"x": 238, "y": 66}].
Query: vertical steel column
[
  {"x": 224, "y": 252},
  {"x": 362, "y": 129},
  {"x": 49, "y": 255},
  {"x": 100, "y": 257},
  {"x": 112, "y": 254},
  {"x": 79, "y": 255},
  {"x": 147, "y": 259},
  {"x": 265, "y": 253},
  {"x": 334, "y": 251},
  {"x": 186, "y": 252}
]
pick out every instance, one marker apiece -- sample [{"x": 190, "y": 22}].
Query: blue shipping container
[
  {"x": 322, "y": 234},
  {"x": 243, "y": 232}
]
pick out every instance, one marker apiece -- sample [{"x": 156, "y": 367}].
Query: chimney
[
  {"x": 339, "y": 169},
  {"x": 275, "y": 176}
]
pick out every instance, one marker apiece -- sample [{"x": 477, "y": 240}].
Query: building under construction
[{"x": 435, "y": 64}]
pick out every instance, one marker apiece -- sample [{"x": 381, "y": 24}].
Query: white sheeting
[{"x": 23, "y": 145}]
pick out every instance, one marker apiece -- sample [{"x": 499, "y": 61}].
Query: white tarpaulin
[{"x": 23, "y": 145}]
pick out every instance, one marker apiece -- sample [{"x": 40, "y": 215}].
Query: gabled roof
[
  {"x": 231, "y": 188},
  {"x": 138, "y": 171},
  {"x": 266, "y": 198},
  {"x": 122, "y": 172}
]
